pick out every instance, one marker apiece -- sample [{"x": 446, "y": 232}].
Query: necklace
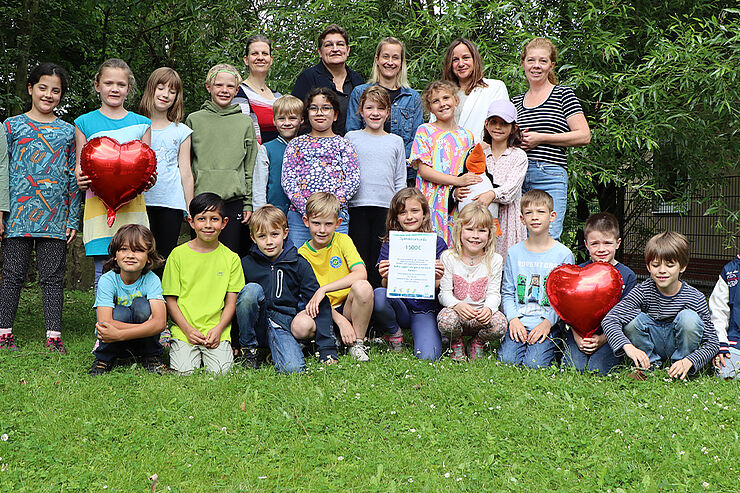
[
  {"x": 472, "y": 259},
  {"x": 254, "y": 86}
]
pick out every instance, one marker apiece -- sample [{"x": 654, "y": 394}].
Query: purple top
[{"x": 319, "y": 164}]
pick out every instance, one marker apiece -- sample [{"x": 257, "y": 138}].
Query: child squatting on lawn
[
  {"x": 601, "y": 234},
  {"x": 271, "y": 309},
  {"x": 340, "y": 271},
  {"x": 201, "y": 280},
  {"x": 533, "y": 328},
  {"x": 129, "y": 304},
  {"x": 725, "y": 306},
  {"x": 663, "y": 318}
]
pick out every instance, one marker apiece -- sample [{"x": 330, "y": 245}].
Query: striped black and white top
[
  {"x": 550, "y": 117},
  {"x": 646, "y": 298}
]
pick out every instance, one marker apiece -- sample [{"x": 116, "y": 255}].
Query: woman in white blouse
[{"x": 464, "y": 67}]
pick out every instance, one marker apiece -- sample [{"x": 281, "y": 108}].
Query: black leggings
[
  {"x": 366, "y": 227},
  {"x": 165, "y": 224},
  {"x": 50, "y": 261}
]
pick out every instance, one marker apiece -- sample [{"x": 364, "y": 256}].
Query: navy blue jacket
[{"x": 289, "y": 283}]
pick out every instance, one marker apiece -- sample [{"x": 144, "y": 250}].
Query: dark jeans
[{"x": 137, "y": 313}]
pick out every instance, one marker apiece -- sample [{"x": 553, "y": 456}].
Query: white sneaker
[{"x": 359, "y": 351}]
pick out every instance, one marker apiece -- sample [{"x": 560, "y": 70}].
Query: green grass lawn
[{"x": 393, "y": 424}]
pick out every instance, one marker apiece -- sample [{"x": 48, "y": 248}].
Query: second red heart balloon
[
  {"x": 118, "y": 172},
  {"x": 582, "y": 296}
]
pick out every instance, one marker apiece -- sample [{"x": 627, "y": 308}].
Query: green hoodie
[{"x": 223, "y": 151}]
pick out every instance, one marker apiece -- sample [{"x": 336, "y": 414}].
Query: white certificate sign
[{"x": 412, "y": 257}]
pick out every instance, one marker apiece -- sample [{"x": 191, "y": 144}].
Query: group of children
[{"x": 319, "y": 209}]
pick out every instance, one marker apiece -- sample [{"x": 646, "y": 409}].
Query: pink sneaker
[
  {"x": 7, "y": 341},
  {"x": 55, "y": 345},
  {"x": 395, "y": 343},
  {"x": 476, "y": 347},
  {"x": 458, "y": 351}
]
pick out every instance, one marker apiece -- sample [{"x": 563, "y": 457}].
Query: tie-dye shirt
[
  {"x": 44, "y": 198},
  {"x": 443, "y": 151}
]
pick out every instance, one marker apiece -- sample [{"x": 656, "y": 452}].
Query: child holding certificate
[
  {"x": 470, "y": 289},
  {"x": 409, "y": 211}
]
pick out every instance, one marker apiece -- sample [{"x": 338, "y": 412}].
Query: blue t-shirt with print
[{"x": 113, "y": 291}]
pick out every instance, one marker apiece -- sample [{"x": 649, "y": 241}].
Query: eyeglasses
[{"x": 320, "y": 109}]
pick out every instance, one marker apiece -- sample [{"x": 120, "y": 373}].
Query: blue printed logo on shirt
[{"x": 335, "y": 262}]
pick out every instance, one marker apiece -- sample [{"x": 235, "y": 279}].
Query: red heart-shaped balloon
[
  {"x": 119, "y": 172},
  {"x": 582, "y": 296}
]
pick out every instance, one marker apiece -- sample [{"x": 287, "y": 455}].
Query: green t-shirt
[{"x": 200, "y": 281}]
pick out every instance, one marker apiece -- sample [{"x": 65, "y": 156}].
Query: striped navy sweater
[{"x": 646, "y": 298}]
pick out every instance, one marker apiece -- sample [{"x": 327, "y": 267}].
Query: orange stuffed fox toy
[{"x": 475, "y": 162}]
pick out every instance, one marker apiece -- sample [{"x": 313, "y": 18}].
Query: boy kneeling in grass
[
  {"x": 272, "y": 305},
  {"x": 340, "y": 272},
  {"x": 663, "y": 318},
  {"x": 201, "y": 280}
]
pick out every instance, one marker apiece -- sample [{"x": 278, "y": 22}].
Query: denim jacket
[{"x": 406, "y": 114}]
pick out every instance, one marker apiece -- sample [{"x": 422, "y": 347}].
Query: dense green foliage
[
  {"x": 658, "y": 80},
  {"x": 393, "y": 424}
]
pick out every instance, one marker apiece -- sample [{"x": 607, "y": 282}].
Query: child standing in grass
[
  {"x": 602, "y": 240},
  {"x": 129, "y": 304},
  {"x": 201, "y": 280},
  {"x": 266, "y": 186},
  {"x": 272, "y": 307},
  {"x": 113, "y": 82},
  {"x": 470, "y": 289},
  {"x": 167, "y": 201},
  {"x": 382, "y": 161},
  {"x": 319, "y": 161},
  {"x": 438, "y": 154},
  {"x": 663, "y": 318},
  {"x": 409, "y": 211},
  {"x": 40, "y": 192},
  {"x": 223, "y": 152},
  {"x": 530, "y": 340}
]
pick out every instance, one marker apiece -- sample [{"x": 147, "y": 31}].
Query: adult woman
[
  {"x": 254, "y": 97},
  {"x": 464, "y": 67},
  {"x": 389, "y": 72},
  {"x": 551, "y": 119}
]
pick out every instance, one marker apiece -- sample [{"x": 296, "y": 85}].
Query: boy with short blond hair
[
  {"x": 266, "y": 187},
  {"x": 663, "y": 318},
  {"x": 340, "y": 272},
  {"x": 270, "y": 308},
  {"x": 200, "y": 283},
  {"x": 602, "y": 239},
  {"x": 530, "y": 340}
]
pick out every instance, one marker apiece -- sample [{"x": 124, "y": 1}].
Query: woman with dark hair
[
  {"x": 551, "y": 119},
  {"x": 389, "y": 72},
  {"x": 254, "y": 97},
  {"x": 464, "y": 67}
]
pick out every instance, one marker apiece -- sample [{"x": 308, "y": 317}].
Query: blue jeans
[
  {"x": 732, "y": 365},
  {"x": 138, "y": 312},
  {"x": 390, "y": 314},
  {"x": 298, "y": 232},
  {"x": 553, "y": 179},
  {"x": 287, "y": 354},
  {"x": 601, "y": 361},
  {"x": 662, "y": 341},
  {"x": 537, "y": 355}
]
